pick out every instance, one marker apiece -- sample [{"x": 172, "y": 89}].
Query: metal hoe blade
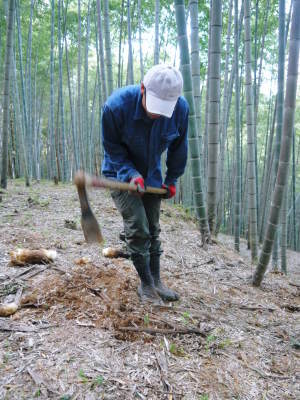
[{"x": 89, "y": 224}]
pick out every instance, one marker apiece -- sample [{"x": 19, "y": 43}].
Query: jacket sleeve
[
  {"x": 115, "y": 150},
  {"x": 177, "y": 153}
]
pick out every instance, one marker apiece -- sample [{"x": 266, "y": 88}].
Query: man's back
[{"x": 133, "y": 142}]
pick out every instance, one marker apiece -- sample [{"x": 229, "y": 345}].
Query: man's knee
[{"x": 137, "y": 238}]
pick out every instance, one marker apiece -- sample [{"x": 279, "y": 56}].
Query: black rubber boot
[
  {"x": 164, "y": 292},
  {"x": 146, "y": 290}
]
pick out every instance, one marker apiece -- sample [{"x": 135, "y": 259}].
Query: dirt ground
[{"x": 81, "y": 332}]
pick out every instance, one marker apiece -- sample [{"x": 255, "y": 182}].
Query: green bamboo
[
  {"x": 20, "y": 126},
  {"x": 284, "y": 230},
  {"x": 101, "y": 51},
  {"x": 24, "y": 100},
  {"x": 130, "y": 78},
  {"x": 29, "y": 137},
  {"x": 140, "y": 40},
  {"x": 156, "y": 35},
  {"x": 286, "y": 141},
  {"x": 294, "y": 193},
  {"x": 195, "y": 65},
  {"x": 279, "y": 111},
  {"x": 257, "y": 90},
  {"x": 6, "y": 92},
  {"x": 223, "y": 127},
  {"x": 87, "y": 132},
  {"x": 250, "y": 134},
  {"x": 108, "y": 47},
  {"x": 78, "y": 106},
  {"x": 120, "y": 40},
  {"x": 73, "y": 129},
  {"x": 237, "y": 203},
  {"x": 53, "y": 172},
  {"x": 61, "y": 101},
  {"x": 214, "y": 111},
  {"x": 193, "y": 139}
]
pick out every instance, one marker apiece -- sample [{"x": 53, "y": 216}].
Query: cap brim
[{"x": 155, "y": 105}]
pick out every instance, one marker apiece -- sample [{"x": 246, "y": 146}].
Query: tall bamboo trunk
[
  {"x": 223, "y": 127},
  {"x": 195, "y": 65},
  {"x": 284, "y": 230},
  {"x": 250, "y": 135},
  {"x": 100, "y": 98},
  {"x": 20, "y": 125},
  {"x": 237, "y": 203},
  {"x": 78, "y": 105},
  {"x": 140, "y": 41},
  {"x": 6, "y": 92},
  {"x": 61, "y": 101},
  {"x": 108, "y": 48},
  {"x": 87, "y": 131},
  {"x": 156, "y": 39},
  {"x": 130, "y": 57},
  {"x": 23, "y": 94},
  {"x": 279, "y": 111},
  {"x": 214, "y": 111},
  {"x": 193, "y": 140},
  {"x": 101, "y": 52},
  {"x": 29, "y": 137},
  {"x": 120, "y": 38},
  {"x": 294, "y": 192},
  {"x": 73, "y": 129},
  {"x": 53, "y": 172},
  {"x": 257, "y": 89},
  {"x": 286, "y": 141},
  {"x": 205, "y": 136}
]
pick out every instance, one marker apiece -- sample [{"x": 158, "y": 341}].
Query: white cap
[{"x": 163, "y": 85}]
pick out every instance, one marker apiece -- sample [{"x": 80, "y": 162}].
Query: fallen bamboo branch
[
  {"x": 211, "y": 260},
  {"x": 294, "y": 284},
  {"x": 250, "y": 308},
  {"x": 159, "y": 331},
  {"x": 29, "y": 273},
  {"x": 12, "y": 326},
  {"x": 23, "y": 273}
]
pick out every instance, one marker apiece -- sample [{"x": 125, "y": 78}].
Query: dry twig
[{"x": 159, "y": 331}]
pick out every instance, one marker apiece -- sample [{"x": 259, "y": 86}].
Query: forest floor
[{"x": 224, "y": 339}]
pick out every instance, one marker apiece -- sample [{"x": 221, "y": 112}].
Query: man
[{"x": 138, "y": 124}]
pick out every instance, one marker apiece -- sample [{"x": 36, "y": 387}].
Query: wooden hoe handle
[{"x": 82, "y": 179}]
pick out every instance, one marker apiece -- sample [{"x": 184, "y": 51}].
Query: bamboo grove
[{"x": 239, "y": 59}]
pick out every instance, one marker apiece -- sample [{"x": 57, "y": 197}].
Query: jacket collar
[{"x": 139, "y": 109}]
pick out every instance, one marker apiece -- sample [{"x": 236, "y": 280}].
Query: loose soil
[{"x": 81, "y": 332}]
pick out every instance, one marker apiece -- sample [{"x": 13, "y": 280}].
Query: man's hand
[
  {"x": 171, "y": 191},
  {"x": 138, "y": 181}
]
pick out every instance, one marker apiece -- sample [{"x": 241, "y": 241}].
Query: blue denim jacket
[{"x": 133, "y": 143}]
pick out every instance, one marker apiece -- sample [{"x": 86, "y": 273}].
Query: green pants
[{"x": 141, "y": 222}]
